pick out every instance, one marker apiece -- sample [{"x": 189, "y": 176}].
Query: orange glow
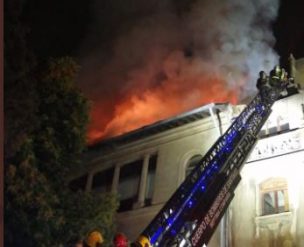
[
  {"x": 185, "y": 84},
  {"x": 171, "y": 98}
]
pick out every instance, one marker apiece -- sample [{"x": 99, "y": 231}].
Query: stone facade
[
  {"x": 269, "y": 202},
  {"x": 274, "y": 168}
]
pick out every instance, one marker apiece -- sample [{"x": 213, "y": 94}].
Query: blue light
[
  {"x": 170, "y": 221},
  {"x": 156, "y": 235},
  {"x": 259, "y": 108},
  {"x": 173, "y": 232},
  {"x": 214, "y": 165},
  {"x": 203, "y": 187},
  {"x": 231, "y": 136}
]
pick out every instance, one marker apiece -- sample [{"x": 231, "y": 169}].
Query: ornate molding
[{"x": 278, "y": 145}]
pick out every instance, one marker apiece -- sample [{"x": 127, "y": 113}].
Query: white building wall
[
  {"x": 174, "y": 151},
  {"x": 175, "y": 147},
  {"x": 279, "y": 156},
  {"x": 249, "y": 228}
]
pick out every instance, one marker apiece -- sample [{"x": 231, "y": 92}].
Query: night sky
[
  {"x": 60, "y": 27},
  {"x": 289, "y": 29},
  {"x": 143, "y": 61}
]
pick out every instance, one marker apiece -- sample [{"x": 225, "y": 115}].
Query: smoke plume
[{"x": 158, "y": 60}]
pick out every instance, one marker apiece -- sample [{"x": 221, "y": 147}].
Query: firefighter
[
  {"x": 120, "y": 240},
  {"x": 94, "y": 239},
  {"x": 277, "y": 76},
  {"x": 142, "y": 241},
  {"x": 262, "y": 81}
]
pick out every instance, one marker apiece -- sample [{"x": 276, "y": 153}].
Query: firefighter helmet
[
  {"x": 120, "y": 240},
  {"x": 144, "y": 241},
  {"x": 94, "y": 239}
]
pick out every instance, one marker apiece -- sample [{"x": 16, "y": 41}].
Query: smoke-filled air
[{"x": 173, "y": 58}]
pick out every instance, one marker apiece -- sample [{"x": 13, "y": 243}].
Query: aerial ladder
[{"x": 191, "y": 215}]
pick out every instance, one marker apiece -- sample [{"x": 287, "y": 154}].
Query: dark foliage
[{"x": 45, "y": 127}]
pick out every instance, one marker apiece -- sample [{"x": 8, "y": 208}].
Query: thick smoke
[{"x": 170, "y": 58}]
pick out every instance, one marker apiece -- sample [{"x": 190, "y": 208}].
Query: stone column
[
  {"x": 216, "y": 125},
  {"x": 88, "y": 187},
  {"x": 143, "y": 183},
  {"x": 115, "y": 181}
]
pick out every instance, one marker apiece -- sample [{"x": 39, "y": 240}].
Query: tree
[
  {"x": 29, "y": 202},
  {"x": 27, "y": 191},
  {"x": 40, "y": 209},
  {"x": 20, "y": 92},
  {"x": 63, "y": 116},
  {"x": 59, "y": 142},
  {"x": 45, "y": 128}
]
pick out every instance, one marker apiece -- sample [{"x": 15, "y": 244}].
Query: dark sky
[
  {"x": 56, "y": 27},
  {"x": 289, "y": 29},
  {"x": 140, "y": 57},
  {"x": 60, "y": 27}
]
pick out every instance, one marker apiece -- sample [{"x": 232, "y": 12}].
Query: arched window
[
  {"x": 192, "y": 163},
  {"x": 274, "y": 196}
]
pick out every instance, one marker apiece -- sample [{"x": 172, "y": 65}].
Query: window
[
  {"x": 102, "y": 181},
  {"x": 284, "y": 127},
  {"x": 274, "y": 196},
  {"x": 273, "y": 202},
  {"x": 150, "y": 180},
  {"x": 78, "y": 183},
  {"x": 192, "y": 163},
  {"x": 281, "y": 126},
  {"x": 128, "y": 187}
]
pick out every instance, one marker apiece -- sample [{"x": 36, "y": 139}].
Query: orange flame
[
  {"x": 137, "y": 111},
  {"x": 184, "y": 88}
]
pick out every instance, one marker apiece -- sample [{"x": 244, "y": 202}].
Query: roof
[{"x": 158, "y": 127}]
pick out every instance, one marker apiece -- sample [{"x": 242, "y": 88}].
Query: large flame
[
  {"x": 182, "y": 88},
  {"x": 173, "y": 60}
]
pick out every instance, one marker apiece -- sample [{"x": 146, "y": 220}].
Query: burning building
[
  {"x": 172, "y": 60},
  {"x": 145, "y": 166},
  {"x": 166, "y": 64}
]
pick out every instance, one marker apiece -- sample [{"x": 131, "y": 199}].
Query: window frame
[
  {"x": 190, "y": 162},
  {"x": 273, "y": 185}
]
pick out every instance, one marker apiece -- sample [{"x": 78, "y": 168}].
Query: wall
[
  {"x": 175, "y": 147},
  {"x": 174, "y": 151},
  {"x": 281, "y": 157}
]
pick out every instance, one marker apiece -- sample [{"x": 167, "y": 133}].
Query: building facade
[
  {"x": 145, "y": 167},
  {"x": 268, "y": 206}
]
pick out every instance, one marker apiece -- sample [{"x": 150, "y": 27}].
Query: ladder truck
[{"x": 193, "y": 212}]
